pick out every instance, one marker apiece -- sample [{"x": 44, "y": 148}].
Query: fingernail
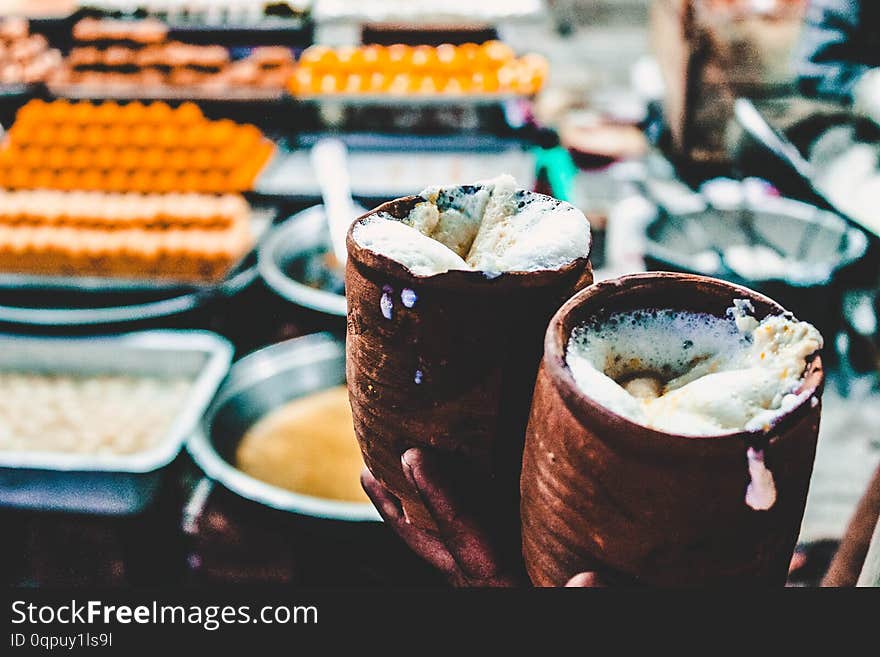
[{"x": 408, "y": 470}]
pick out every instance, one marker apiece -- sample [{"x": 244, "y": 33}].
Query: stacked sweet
[
  {"x": 187, "y": 237},
  {"x": 132, "y": 147},
  {"x": 126, "y": 55},
  {"x": 24, "y": 57},
  {"x": 488, "y": 68}
]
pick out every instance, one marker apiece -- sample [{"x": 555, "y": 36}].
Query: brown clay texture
[
  {"x": 647, "y": 507},
  {"x": 454, "y": 372}
]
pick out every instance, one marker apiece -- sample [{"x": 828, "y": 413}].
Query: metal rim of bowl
[
  {"x": 856, "y": 243},
  {"x": 125, "y": 314},
  {"x": 271, "y": 360},
  {"x": 287, "y": 288}
]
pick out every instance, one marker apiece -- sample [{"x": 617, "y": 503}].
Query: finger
[
  {"x": 585, "y": 581},
  {"x": 798, "y": 561},
  {"x": 424, "y": 545},
  {"x": 463, "y": 536}
]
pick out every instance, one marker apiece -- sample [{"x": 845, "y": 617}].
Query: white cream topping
[
  {"x": 693, "y": 373},
  {"x": 490, "y": 226}
]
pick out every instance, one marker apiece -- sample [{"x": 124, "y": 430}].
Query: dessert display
[
  {"x": 115, "y": 211},
  {"x": 132, "y": 147},
  {"x": 24, "y": 57},
  {"x": 307, "y": 446},
  {"x": 491, "y": 68},
  {"x": 449, "y": 294},
  {"x": 672, "y": 435},
  {"x": 180, "y": 237},
  {"x": 101, "y": 414},
  {"x": 135, "y": 56}
]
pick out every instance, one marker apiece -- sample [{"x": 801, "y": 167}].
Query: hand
[{"x": 466, "y": 549}]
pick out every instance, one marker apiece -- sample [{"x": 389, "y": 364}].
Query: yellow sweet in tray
[
  {"x": 188, "y": 237},
  {"x": 113, "y": 147},
  {"x": 399, "y": 69}
]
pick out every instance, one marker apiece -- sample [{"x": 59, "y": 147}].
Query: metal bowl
[
  {"x": 256, "y": 385},
  {"x": 295, "y": 252},
  {"x": 819, "y": 248}
]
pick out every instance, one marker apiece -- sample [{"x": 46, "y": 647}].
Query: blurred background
[{"x": 172, "y": 406}]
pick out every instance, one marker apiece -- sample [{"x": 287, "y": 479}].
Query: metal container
[
  {"x": 818, "y": 247},
  {"x": 88, "y": 301},
  {"x": 103, "y": 483},
  {"x": 256, "y": 385},
  {"x": 260, "y": 221},
  {"x": 293, "y": 253}
]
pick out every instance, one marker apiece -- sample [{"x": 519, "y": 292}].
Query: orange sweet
[
  {"x": 80, "y": 113},
  {"x": 67, "y": 180},
  {"x": 201, "y": 159},
  {"x": 356, "y": 83},
  {"x": 399, "y": 57},
  {"x": 303, "y": 81},
  {"x": 379, "y": 82},
  {"x": 106, "y": 157},
  {"x": 165, "y": 181},
  {"x": 167, "y": 135},
  {"x": 319, "y": 57},
  {"x": 188, "y": 113},
  {"x": 33, "y": 110},
  {"x": 153, "y": 158},
  {"x": 117, "y": 180},
  {"x": 68, "y": 135},
  {"x": 350, "y": 60},
  {"x": 56, "y": 157},
  {"x": 117, "y": 135},
  {"x": 141, "y": 181},
  {"x": 29, "y": 156},
  {"x": 330, "y": 83},
  {"x": 375, "y": 58},
  {"x": 485, "y": 82},
  {"x": 497, "y": 53},
  {"x": 450, "y": 58},
  {"x": 129, "y": 158},
  {"x": 190, "y": 181},
  {"x": 80, "y": 158},
  {"x": 133, "y": 112},
  {"x": 142, "y": 135},
  {"x": 423, "y": 59},
  {"x": 158, "y": 112},
  {"x": 107, "y": 112},
  {"x": 58, "y": 111},
  {"x": 430, "y": 84},
  {"x": 458, "y": 84},
  {"x": 44, "y": 179},
  {"x": 93, "y": 135},
  {"x": 91, "y": 179},
  {"x": 468, "y": 53}
]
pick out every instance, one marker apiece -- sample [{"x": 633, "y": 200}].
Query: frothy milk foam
[
  {"x": 490, "y": 226},
  {"x": 693, "y": 373}
]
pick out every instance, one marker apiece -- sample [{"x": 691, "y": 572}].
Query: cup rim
[
  {"x": 588, "y": 411},
  {"x": 454, "y": 279}
]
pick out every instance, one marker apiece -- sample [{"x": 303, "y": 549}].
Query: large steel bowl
[
  {"x": 293, "y": 253},
  {"x": 256, "y": 385}
]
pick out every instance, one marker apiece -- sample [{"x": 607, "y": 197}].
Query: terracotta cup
[
  {"x": 600, "y": 492},
  {"x": 446, "y": 361}
]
